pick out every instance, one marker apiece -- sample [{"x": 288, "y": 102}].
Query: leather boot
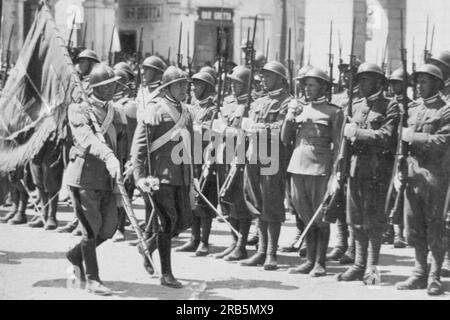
[
  {"x": 271, "y": 256},
  {"x": 341, "y": 246},
  {"x": 435, "y": 287},
  {"x": 260, "y": 256},
  {"x": 445, "y": 271},
  {"x": 15, "y": 199},
  {"x": 192, "y": 245},
  {"x": 371, "y": 275},
  {"x": 152, "y": 246},
  {"x": 167, "y": 278},
  {"x": 349, "y": 256},
  {"x": 75, "y": 257},
  {"x": 234, "y": 239},
  {"x": 323, "y": 237},
  {"x": 52, "y": 223},
  {"x": 240, "y": 251},
  {"x": 311, "y": 252},
  {"x": 203, "y": 249},
  {"x": 68, "y": 228},
  {"x": 291, "y": 247},
  {"x": 38, "y": 223},
  {"x": 356, "y": 272},
  {"x": 388, "y": 235},
  {"x": 253, "y": 238},
  {"x": 20, "y": 217},
  {"x": 399, "y": 240},
  {"x": 98, "y": 288},
  {"x": 418, "y": 280}
]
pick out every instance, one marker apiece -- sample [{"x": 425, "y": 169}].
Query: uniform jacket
[
  {"x": 86, "y": 168},
  {"x": 375, "y": 141},
  {"x": 161, "y": 163},
  {"x": 315, "y": 134}
]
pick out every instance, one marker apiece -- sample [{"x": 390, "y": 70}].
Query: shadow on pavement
[{"x": 9, "y": 257}]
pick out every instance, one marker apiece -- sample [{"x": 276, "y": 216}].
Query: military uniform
[{"x": 316, "y": 133}]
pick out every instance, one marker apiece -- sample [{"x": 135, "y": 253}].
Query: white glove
[
  {"x": 407, "y": 134},
  {"x": 148, "y": 184},
  {"x": 113, "y": 166},
  {"x": 350, "y": 130},
  {"x": 334, "y": 184}
]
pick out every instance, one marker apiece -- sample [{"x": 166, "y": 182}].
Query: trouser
[{"x": 367, "y": 248}]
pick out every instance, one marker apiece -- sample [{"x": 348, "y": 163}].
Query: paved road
[{"x": 32, "y": 266}]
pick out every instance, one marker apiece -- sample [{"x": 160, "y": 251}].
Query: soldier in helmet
[
  {"x": 232, "y": 194},
  {"x": 92, "y": 168},
  {"x": 394, "y": 233},
  {"x": 164, "y": 117},
  {"x": 153, "y": 67},
  {"x": 86, "y": 61},
  {"x": 371, "y": 130},
  {"x": 428, "y": 136},
  {"x": 264, "y": 188},
  {"x": 204, "y": 112},
  {"x": 315, "y": 131},
  {"x": 442, "y": 61}
]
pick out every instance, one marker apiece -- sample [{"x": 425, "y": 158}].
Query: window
[{"x": 150, "y": 12}]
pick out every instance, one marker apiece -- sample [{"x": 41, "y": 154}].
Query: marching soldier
[
  {"x": 315, "y": 128},
  {"x": 93, "y": 164},
  {"x": 204, "y": 112},
  {"x": 428, "y": 136},
  {"x": 372, "y": 133},
  {"x": 233, "y": 193},
  {"x": 442, "y": 61},
  {"x": 86, "y": 60},
  {"x": 265, "y": 191},
  {"x": 19, "y": 197},
  {"x": 163, "y": 118},
  {"x": 394, "y": 234}
]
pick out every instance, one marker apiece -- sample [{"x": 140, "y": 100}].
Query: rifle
[
  {"x": 331, "y": 59},
  {"x": 247, "y": 48},
  {"x": 252, "y": 68},
  {"x": 341, "y": 62},
  {"x": 8, "y": 58},
  {"x": 179, "y": 56},
  {"x": 425, "y": 51},
  {"x": 290, "y": 65},
  {"x": 383, "y": 63},
  {"x": 138, "y": 60},
  {"x": 69, "y": 42},
  {"x": 267, "y": 48},
  {"x": 414, "y": 69},
  {"x": 189, "y": 63},
  {"x": 333, "y": 202},
  {"x": 83, "y": 42},
  {"x": 430, "y": 52},
  {"x": 110, "y": 53},
  {"x": 153, "y": 48},
  {"x": 394, "y": 210},
  {"x": 168, "y": 57}
]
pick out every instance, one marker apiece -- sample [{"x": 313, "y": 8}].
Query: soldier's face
[
  {"x": 105, "y": 92},
  {"x": 85, "y": 66},
  {"x": 238, "y": 88},
  {"x": 271, "y": 81},
  {"x": 313, "y": 89},
  {"x": 178, "y": 90},
  {"x": 426, "y": 86},
  {"x": 149, "y": 74},
  {"x": 368, "y": 85},
  {"x": 199, "y": 88},
  {"x": 396, "y": 87}
]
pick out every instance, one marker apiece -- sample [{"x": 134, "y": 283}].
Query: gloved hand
[
  {"x": 148, "y": 184},
  {"x": 350, "y": 130},
  {"x": 113, "y": 166},
  {"x": 407, "y": 134}
]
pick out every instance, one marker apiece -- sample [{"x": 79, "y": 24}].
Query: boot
[
  {"x": 371, "y": 275},
  {"x": 152, "y": 246},
  {"x": 20, "y": 217},
  {"x": 167, "y": 278},
  {"x": 399, "y": 240},
  {"x": 51, "y": 223},
  {"x": 119, "y": 235},
  {"x": 274, "y": 234},
  {"x": 418, "y": 280},
  {"x": 356, "y": 272},
  {"x": 192, "y": 245},
  {"x": 260, "y": 256},
  {"x": 15, "y": 199},
  {"x": 323, "y": 237},
  {"x": 98, "y": 288},
  {"x": 311, "y": 252},
  {"x": 68, "y": 228},
  {"x": 37, "y": 222},
  {"x": 388, "y": 235},
  {"x": 302, "y": 250},
  {"x": 349, "y": 256},
  {"x": 77, "y": 232},
  {"x": 240, "y": 251},
  {"x": 435, "y": 287},
  {"x": 203, "y": 249},
  {"x": 75, "y": 257},
  {"x": 341, "y": 247},
  {"x": 253, "y": 238},
  {"x": 445, "y": 271},
  {"x": 234, "y": 239},
  {"x": 291, "y": 247}
]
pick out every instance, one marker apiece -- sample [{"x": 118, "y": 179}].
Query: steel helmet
[
  {"x": 205, "y": 77},
  {"x": 397, "y": 75},
  {"x": 443, "y": 57},
  {"x": 209, "y": 70},
  {"x": 430, "y": 70},
  {"x": 125, "y": 67},
  {"x": 240, "y": 74},
  {"x": 277, "y": 68},
  {"x": 101, "y": 75},
  {"x": 173, "y": 75},
  {"x": 317, "y": 74},
  {"x": 88, "y": 54},
  {"x": 122, "y": 75},
  {"x": 302, "y": 71},
  {"x": 155, "y": 62},
  {"x": 370, "y": 68},
  {"x": 260, "y": 59}
]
